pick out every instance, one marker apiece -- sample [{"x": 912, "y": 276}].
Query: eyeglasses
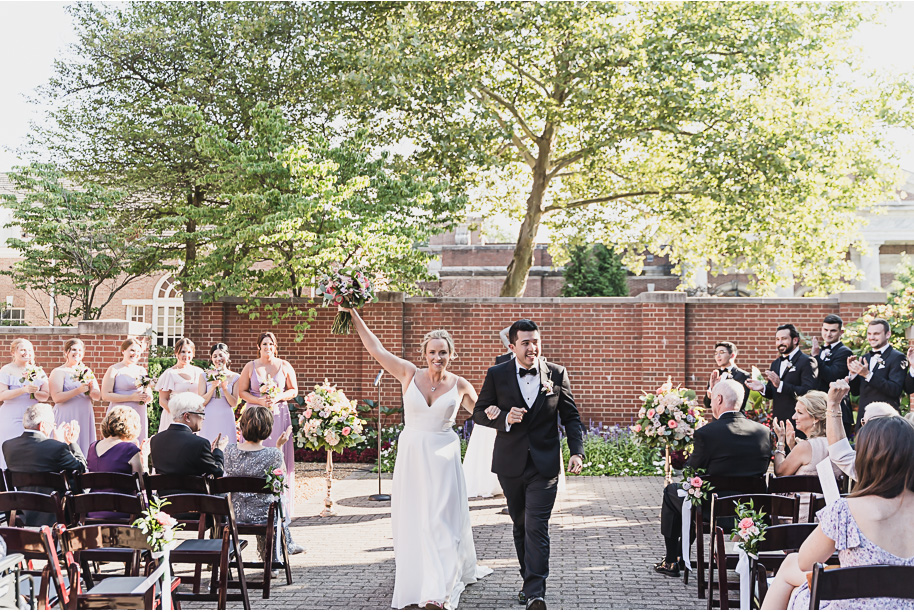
[{"x": 202, "y": 414}]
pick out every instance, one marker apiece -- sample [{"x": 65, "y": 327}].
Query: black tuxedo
[
  {"x": 799, "y": 377},
  {"x": 33, "y": 451},
  {"x": 527, "y": 457},
  {"x": 732, "y": 445},
  {"x": 178, "y": 450},
  {"x": 740, "y": 376},
  {"x": 886, "y": 384},
  {"x": 832, "y": 365},
  {"x": 909, "y": 381}
]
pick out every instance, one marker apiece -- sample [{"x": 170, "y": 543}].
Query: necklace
[{"x": 436, "y": 386}]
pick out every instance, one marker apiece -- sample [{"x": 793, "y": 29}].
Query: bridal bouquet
[
  {"x": 270, "y": 389},
  {"x": 349, "y": 288},
  {"x": 330, "y": 420},
  {"x": 83, "y": 375},
  {"x": 668, "y": 417},
  {"x": 146, "y": 382},
  {"x": 216, "y": 377},
  {"x": 31, "y": 374},
  {"x": 159, "y": 527}
]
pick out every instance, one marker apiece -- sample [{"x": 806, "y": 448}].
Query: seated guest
[
  {"x": 43, "y": 448},
  {"x": 839, "y": 449},
  {"x": 732, "y": 445},
  {"x": 871, "y": 526},
  {"x": 118, "y": 450},
  {"x": 178, "y": 449},
  {"x": 252, "y": 458}
]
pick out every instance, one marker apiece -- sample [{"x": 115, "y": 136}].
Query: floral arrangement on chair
[
  {"x": 668, "y": 417},
  {"x": 750, "y": 530},
  {"x": 276, "y": 481},
  {"x": 349, "y": 288},
  {"x": 696, "y": 487},
  {"x": 159, "y": 527},
  {"x": 329, "y": 421}
]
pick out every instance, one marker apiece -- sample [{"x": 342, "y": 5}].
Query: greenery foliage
[
  {"x": 614, "y": 451},
  {"x": 594, "y": 271}
]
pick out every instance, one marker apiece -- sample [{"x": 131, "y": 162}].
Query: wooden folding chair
[
  {"x": 15, "y": 503},
  {"x": 109, "y": 482},
  {"x": 723, "y": 485},
  {"x": 780, "y": 541},
  {"x": 219, "y": 552},
  {"x": 163, "y": 485},
  {"x": 779, "y": 509},
  {"x": 270, "y": 530},
  {"x": 28, "y": 544},
  {"x": 861, "y": 582}
]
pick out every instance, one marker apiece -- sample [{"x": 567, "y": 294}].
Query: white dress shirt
[{"x": 784, "y": 365}]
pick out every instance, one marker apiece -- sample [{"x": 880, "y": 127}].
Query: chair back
[
  {"x": 165, "y": 485},
  {"x": 238, "y": 484},
  {"x": 89, "y": 537},
  {"x": 731, "y": 485},
  {"x": 779, "y": 508},
  {"x": 115, "y": 482},
  {"x": 56, "y": 481},
  {"x": 26, "y": 542},
  {"x": 205, "y": 504},
  {"x": 132, "y": 506},
  {"x": 863, "y": 582},
  {"x": 13, "y": 503},
  {"x": 794, "y": 484}
]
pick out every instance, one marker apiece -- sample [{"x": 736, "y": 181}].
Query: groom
[{"x": 522, "y": 399}]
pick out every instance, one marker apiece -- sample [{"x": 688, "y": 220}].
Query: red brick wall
[
  {"x": 102, "y": 339},
  {"x": 613, "y": 348}
]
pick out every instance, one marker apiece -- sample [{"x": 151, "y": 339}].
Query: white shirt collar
[
  {"x": 535, "y": 366},
  {"x": 883, "y": 349},
  {"x": 793, "y": 353}
]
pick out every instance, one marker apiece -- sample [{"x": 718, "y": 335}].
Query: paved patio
[{"x": 604, "y": 540}]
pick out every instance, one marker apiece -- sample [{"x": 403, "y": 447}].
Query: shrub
[{"x": 613, "y": 451}]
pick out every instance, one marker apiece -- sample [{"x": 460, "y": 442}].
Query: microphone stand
[{"x": 379, "y": 497}]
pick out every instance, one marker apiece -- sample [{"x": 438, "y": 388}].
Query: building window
[
  {"x": 169, "y": 312},
  {"x": 12, "y": 316},
  {"x": 136, "y": 314}
]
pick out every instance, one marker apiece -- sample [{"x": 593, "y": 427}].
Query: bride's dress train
[{"x": 433, "y": 540}]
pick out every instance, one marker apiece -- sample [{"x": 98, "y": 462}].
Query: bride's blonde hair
[{"x": 438, "y": 334}]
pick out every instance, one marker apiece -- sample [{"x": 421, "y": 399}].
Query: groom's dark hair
[{"x": 519, "y": 326}]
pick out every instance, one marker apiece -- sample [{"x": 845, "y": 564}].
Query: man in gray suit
[{"x": 43, "y": 448}]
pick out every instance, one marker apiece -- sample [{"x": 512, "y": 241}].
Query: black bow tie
[
  {"x": 785, "y": 358},
  {"x": 523, "y": 372}
]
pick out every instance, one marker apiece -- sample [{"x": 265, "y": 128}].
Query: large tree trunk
[{"x": 519, "y": 268}]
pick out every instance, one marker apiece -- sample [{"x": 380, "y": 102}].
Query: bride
[{"x": 433, "y": 541}]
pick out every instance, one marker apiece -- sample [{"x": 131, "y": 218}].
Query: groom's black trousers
[{"x": 530, "y": 498}]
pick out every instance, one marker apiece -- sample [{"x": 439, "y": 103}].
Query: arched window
[{"x": 168, "y": 309}]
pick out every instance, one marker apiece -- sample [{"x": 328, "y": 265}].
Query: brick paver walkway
[{"x": 604, "y": 539}]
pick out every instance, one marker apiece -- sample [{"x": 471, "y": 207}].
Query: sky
[{"x": 35, "y": 33}]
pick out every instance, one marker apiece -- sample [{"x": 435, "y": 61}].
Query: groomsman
[
  {"x": 831, "y": 358},
  {"x": 725, "y": 356},
  {"x": 909, "y": 379},
  {"x": 880, "y": 375},
  {"x": 791, "y": 374}
]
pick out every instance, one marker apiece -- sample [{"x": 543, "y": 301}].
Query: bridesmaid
[
  {"x": 73, "y": 399},
  {"x": 17, "y": 395},
  {"x": 182, "y": 377},
  {"x": 120, "y": 386},
  {"x": 270, "y": 367},
  {"x": 220, "y": 411}
]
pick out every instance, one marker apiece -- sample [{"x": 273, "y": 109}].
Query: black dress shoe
[
  {"x": 536, "y": 603},
  {"x": 521, "y": 597},
  {"x": 667, "y": 569}
]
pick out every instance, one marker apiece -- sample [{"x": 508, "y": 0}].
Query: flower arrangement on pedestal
[{"x": 329, "y": 422}]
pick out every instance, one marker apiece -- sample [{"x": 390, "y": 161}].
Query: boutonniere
[
  {"x": 548, "y": 386},
  {"x": 791, "y": 369},
  {"x": 879, "y": 362}
]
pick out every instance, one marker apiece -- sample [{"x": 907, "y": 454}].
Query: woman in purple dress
[
  {"x": 121, "y": 384},
  {"x": 221, "y": 396},
  {"x": 16, "y": 392},
  {"x": 270, "y": 382},
  {"x": 183, "y": 377},
  {"x": 117, "y": 451},
  {"x": 73, "y": 389}
]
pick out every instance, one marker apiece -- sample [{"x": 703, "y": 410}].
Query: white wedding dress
[
  {"x": 477, "y": 463},
  {"x": 433, "y": 541}
]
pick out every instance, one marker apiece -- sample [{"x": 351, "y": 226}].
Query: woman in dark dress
[{"x": 118, "y": 450}]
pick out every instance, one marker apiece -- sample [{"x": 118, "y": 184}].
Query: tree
[
  {"x": 723, "y": 132},
  {"x": 81, "y": 245},
  {"x": 594, "y": 271},
  {"x": 292, "y": 209},
  {"x": 110, "y": 97}
]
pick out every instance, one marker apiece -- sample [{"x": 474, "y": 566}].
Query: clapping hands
[
  {"x": 68, "y": 433},
  {"x": 857, "y": 366},
  {"x": 784, "y": 431},
  {"x": 284, "y": 437}
]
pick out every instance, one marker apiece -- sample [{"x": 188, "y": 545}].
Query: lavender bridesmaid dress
[
  {"x": 11, "y": 412},
  {"x": 220, "y": 416},
  {"x": 281, "y": 420},
  {"x": 124, "y": 384},
  {"x": 77, "y": 409}
]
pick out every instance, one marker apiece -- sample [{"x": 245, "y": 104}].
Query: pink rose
[
  {"x": 308, "y": 413},
  {"x": 277, "y": 472},
  {"x": 672, "y": 424},
  {"x": 347, "y": 431},
  {"x": 696, "y": 482},
  {"x": 651, "y": 413},
  {"x": 636, "y": 428},
  {"x": 165, "y": 520},
  {"x": 746, "y": 523}
]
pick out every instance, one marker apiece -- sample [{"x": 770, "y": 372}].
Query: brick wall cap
[
  {"x": 860, "y": 297},
  {"x": 46, "y": 330},
  {"x": 724, "y": 301},
  {"x": 662, "y": 297},
  {"x": 112, "y": 327}
]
